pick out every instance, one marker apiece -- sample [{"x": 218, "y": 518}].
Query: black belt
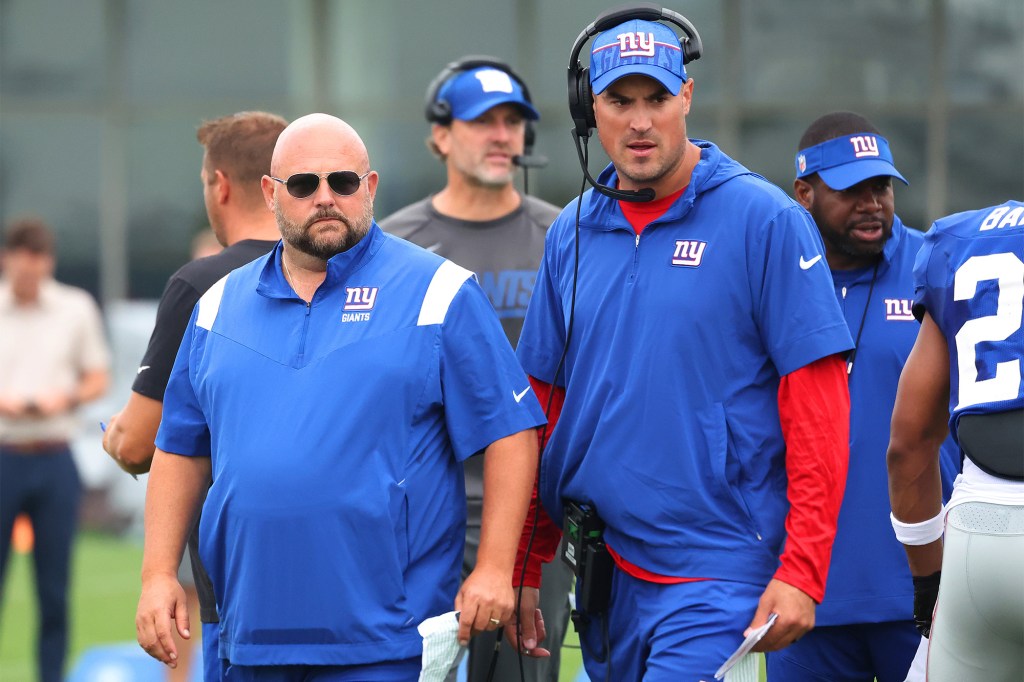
[{"x": 34, "y": 447}]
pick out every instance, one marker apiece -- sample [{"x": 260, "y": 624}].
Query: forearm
[
  {"x": 915, "y": 483},
  {"x": 915, "y": 492},
  {"x": 131, "y": 434},
  {"x": 176, "y": 485},
  {"x": 918, "y": 429},
  {"x": 510, "y": 465}
]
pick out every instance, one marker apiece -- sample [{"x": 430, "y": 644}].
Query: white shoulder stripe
[
  {"x": 446, "y": 283},
  {"x": 209, "y": 304}
]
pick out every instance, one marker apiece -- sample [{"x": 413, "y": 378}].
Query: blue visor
[{"x": 847, "y": 160}]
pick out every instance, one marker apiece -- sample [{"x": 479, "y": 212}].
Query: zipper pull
[{"x": 638, "y": 240}]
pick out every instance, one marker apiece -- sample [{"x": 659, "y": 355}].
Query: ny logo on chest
[
  {"x": 899, "y": 309},
  {"x": 360, "y": 298},
  {"x": 688, "y": 253}
]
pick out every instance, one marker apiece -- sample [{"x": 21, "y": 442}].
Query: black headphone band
[{"x": 440, "y": 112}]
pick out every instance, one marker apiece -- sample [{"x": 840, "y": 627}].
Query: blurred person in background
[
  {"x": 481, "y": 116},
  {"x": 864, "y": 628},
  {"x": 237, "y": 153},
  {"x": 205, "y": 243},
  {"x": 53, "y": 358}
]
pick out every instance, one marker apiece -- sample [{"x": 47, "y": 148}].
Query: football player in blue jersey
[
  {"x": 864, "y": 628},
  {"x": 965, "y": 373}
]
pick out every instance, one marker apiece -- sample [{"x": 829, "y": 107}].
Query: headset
[
  {"x": 581, "y": 95},
  {"x": 440, "y": 111}
]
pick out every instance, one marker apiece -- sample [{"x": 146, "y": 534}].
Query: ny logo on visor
[
  {"x": 635, "y": 44},
  {"x": 864, "y": 145},
  {"x": 360, "y": 298}
]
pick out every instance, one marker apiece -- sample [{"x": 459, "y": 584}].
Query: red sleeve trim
[
  {"x": 548, "y": 535},
  {"x": 814, "y": 410}
]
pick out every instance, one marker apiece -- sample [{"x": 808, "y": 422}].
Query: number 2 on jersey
[{"x": 1008, "y": 270}]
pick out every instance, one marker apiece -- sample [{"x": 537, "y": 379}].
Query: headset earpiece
[
  {"x": 439, "y": 112},
  {"x": 581, "y": 102},
  {"x": 587, "y": 98},
  {"x": 691, "y": 50},
  {"x": 529, "y": 138}
]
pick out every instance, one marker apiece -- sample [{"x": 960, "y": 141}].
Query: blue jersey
[
  {"x": 875, "y": 586},
  {"x": 670, "y": 425},
  {"x": 335, "y": 521},
  {"x": 970, "y": 279}
]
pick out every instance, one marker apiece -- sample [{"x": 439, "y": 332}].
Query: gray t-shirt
[{"x": 504, "y": 253}]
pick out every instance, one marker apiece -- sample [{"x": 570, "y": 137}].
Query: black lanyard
[{"x": 863, "y": 319}]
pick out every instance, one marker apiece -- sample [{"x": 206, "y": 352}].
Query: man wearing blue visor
[{"x": 865, "y": 625}]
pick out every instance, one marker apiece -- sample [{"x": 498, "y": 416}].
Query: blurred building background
[{"x": 100, "y": 99}]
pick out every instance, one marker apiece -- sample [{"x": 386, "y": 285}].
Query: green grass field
[{"x": 104, "y": 593}]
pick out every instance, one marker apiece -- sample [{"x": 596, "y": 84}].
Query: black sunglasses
[{"x": 302, "y": 185}]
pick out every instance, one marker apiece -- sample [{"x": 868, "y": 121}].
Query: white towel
[{"x": 440, "y": 646}]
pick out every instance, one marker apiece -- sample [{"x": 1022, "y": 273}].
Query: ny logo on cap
[
  {"x": 635, "y": 44},
  {"x": 864, "y": 145},
  {"x": 493, "y": 80}
]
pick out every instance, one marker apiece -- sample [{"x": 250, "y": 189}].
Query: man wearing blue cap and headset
[
  {"x": 865, "y": 625},
  {"x": 482, "y": 119},
  {"x": 703, "y": 401}
]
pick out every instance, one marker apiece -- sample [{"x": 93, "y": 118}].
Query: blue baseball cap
[
  {"x": 844, "y": 161},
  {"x": 471, "y": 93},
  {"x": 637, "y": 47}
]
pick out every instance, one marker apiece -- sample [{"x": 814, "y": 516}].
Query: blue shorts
[
  {"x": 848, "y": 653},
  {"x": 668, "y": 633},
  {"x": 388, "y": 671}
]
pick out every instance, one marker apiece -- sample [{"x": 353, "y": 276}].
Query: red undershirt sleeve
[
  {"x": 814, "y": 410},
  {"x": 548, "y": 534}
]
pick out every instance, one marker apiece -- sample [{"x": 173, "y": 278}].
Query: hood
[{"x": 713, "y": 169}]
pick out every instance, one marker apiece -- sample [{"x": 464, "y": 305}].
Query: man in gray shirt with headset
[{"x": 481, "y": 116}]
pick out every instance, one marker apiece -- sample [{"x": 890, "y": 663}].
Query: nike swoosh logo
[
  {"x": 805, "y": 264},
  {"x": 519, "y": 396},
  {"x": 434, "y": 247},
  {"x": 142, "y": 369}
]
